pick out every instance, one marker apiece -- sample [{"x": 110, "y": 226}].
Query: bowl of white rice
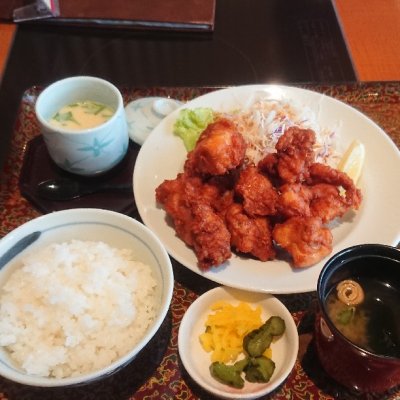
[{"x": 82, "y": 292}]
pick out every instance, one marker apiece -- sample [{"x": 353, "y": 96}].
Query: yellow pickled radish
[
  {"x": 226, "y": 328},
  {"x": 353, "y": 160}
]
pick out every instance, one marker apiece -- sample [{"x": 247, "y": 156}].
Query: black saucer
[{"x": 38, "y": 166}]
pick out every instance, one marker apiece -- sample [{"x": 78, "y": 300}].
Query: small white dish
[
  {"x": 144, "y": 114},
  {"x": 197, "y": 361}
]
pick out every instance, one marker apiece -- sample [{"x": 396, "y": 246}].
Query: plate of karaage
[{"x": 202, "y": 227}]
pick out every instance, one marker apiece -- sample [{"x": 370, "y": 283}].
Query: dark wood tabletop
[{"x": 254, "y": 41}]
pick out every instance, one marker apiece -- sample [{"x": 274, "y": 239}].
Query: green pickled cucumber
[
  {"x": 259, "y": 370},
  {"x": 227, "y": 374},
  {"x": 258, "y": 340},
  {"x": 256, "y": 367}
]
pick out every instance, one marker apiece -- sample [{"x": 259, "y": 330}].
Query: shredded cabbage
[{"x": 263, "y": 122}]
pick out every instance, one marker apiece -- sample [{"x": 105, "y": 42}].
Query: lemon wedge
[{"x": 353, "y": 160}]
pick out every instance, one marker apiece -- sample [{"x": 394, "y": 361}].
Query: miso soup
[
  {"x": 373, "y": 324},
  {"x": 82, "y": 115}
]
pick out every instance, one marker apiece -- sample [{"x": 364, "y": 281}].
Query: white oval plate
[
  {"x": 378, "y": 221},
  {"x": 197, "y": 362}
]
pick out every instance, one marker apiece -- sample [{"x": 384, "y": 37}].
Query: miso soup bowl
[
  {"x": 347, "y": 363},
  {"x": 86, "y": 152}
]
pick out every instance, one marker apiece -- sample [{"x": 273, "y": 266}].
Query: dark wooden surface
[{"x": 254, "y": 41}]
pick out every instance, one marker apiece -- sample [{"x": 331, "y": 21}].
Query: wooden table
[
  {"x": 7, "y": 32},
  {"x": 371, "y": 31}
]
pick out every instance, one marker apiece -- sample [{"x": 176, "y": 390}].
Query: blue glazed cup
[{"x": 87, "y": 152}]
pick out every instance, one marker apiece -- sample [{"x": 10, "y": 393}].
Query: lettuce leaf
[{"x": 191, "y": 123}]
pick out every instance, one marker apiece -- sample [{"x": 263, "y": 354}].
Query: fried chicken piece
[
  {"x": 327, "y": 200},
  {"x": 215, "y": 194},
  {"x": 258, "y": 194},
  {"x": 322, "y": 197},
  {"x": 294, "y": 200},
  {"x": 211, "y": 238},
  {"x": 219, "y": 149},
  {"x": 305, "y": 239},
  {"x": 321, "y": 200},
  {"x": 224, "y": 185},
  {"x": 249, "y": 235},
  {"x": 187, "y": 200},
  {"x": 295, "y": 154},
  {"x": 268, "y": 164},
  {"x": 177, "y": 197}
]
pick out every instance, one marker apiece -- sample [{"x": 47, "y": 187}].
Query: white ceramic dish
[
  {"x": 144, "y": 114},
  {"x": 117, "y": 230},
  {"x": 197, "y": 361},
  {"x": 378, "y": 221}
]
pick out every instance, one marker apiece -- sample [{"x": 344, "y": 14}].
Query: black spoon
[{"x": 68, "y": 189}]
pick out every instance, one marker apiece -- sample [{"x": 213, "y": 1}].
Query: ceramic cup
[{"x": 90, "y": 151}]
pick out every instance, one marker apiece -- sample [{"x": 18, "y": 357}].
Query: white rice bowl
[{"x": 82, "y": 298}]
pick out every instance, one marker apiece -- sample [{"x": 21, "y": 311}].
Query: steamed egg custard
[{"x": 82, "y": 115}]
